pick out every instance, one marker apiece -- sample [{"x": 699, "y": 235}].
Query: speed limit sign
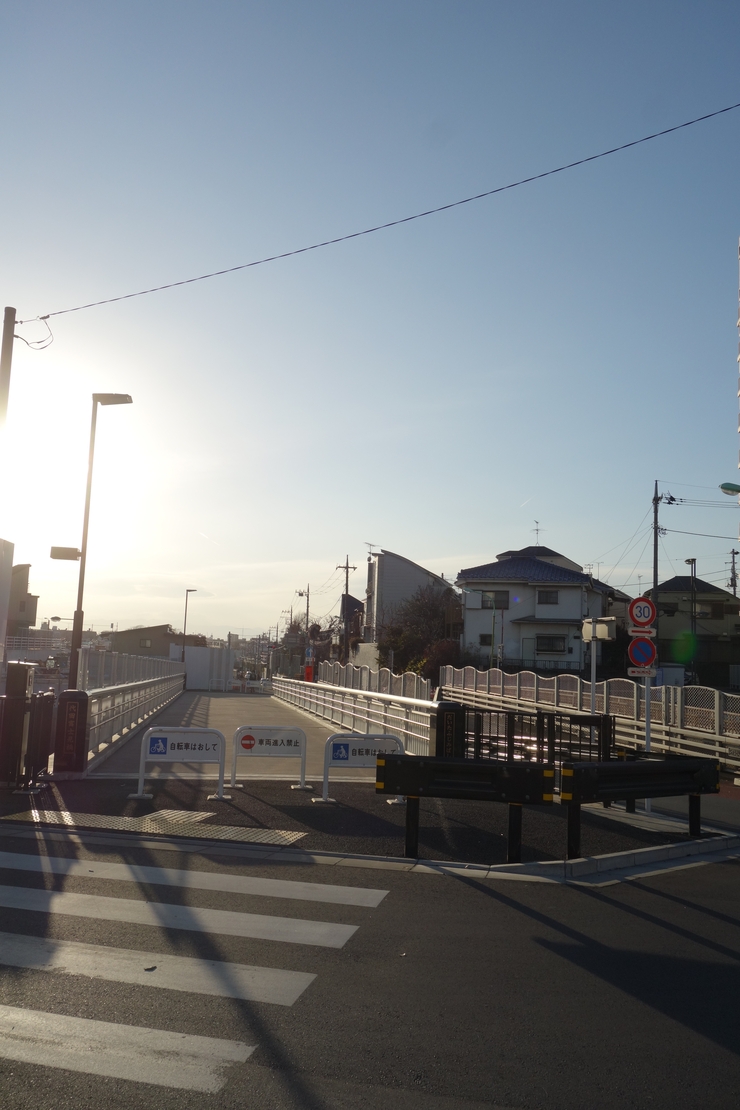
[{"x": 642, "y": 611}]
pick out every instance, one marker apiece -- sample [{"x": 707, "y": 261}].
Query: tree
[{"x": 416, "y": 631}]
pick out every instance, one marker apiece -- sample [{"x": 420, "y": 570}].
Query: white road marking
[
  {"x": 119, "y": 1051},
  {"x": 177, "y": 973},
  {"x": 325, "y": 934},
  {"x": 195, "y": 880}
]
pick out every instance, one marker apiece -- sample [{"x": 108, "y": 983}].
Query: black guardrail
[
  {"x": 541, "y": 737},
  {"x": 518, "y": 783},
  {"x": 623, "y": 780}
]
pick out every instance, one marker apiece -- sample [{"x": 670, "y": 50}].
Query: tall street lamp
[
  {"x": 73, "y": 553},
  {"x": 185, "y": 622}
]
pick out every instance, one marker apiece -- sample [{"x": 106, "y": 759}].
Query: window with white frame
[{"x": 551, "y": 645}]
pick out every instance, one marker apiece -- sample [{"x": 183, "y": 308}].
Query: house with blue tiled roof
[{"x": 527, "y": 608}]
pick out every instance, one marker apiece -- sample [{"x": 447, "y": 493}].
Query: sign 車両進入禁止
[{"x": 271, "y": 741}]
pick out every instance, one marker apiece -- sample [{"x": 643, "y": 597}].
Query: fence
[
  {"x": 98, "y": 669},
  {"x": 114, "y": 711},
  {"x": 407, "y": 685},
  {"x": 685, "y": 720},
  {"x": 362, "y": 710}
]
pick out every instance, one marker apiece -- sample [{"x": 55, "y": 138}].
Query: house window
[
  {"x": 718, "y": 612},
  {"x": 551, "y": 645},
  {"x": 145, "y": 643},
  {"x": 497, "y": 598},
  {"x": 547, "y": 597},
  {"x": 485, "y": 639}
]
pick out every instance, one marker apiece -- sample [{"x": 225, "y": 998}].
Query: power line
[
  {"x": 709, "y": 535},
  {"x": 391, "y": 223}
]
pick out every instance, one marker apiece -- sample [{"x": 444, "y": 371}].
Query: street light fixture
[
  {"x": 185, "y": 622},
  {"x": 71, "y": 552}
]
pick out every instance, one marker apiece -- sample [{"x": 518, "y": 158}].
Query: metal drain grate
[{"x": 166, "y": 821}]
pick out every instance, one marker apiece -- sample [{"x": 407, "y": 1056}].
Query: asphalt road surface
[{"x": 134, "y": 978}]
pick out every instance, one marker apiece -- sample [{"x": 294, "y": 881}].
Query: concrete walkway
[{"x": 227, "y": 713}]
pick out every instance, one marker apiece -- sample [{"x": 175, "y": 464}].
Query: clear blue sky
[{"x": 435, "y": 388}]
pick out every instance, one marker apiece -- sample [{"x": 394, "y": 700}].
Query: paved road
[{"x": 137, "y": 978}]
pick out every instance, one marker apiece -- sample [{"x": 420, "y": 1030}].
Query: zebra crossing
[{"x": 160, "y": 1057}]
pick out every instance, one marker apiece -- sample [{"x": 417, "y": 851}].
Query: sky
[{"x": 435, "y": 389}]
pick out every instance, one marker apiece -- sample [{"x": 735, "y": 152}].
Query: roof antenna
[
  {"x": 370, "y": 547},
  {"x": 537, "y": 531}
]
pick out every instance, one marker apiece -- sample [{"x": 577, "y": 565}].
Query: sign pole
[{"x": 647, "y": 728}]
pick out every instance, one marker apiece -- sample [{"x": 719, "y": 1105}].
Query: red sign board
[
  {"x": 642, "y": 653},
  {"x": 248, "y": 742},
  {"x": 642, "y": 611}
]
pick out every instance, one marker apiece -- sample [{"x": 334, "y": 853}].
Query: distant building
[
  {"x": 717, "y": 619},
  {"x": 6, "y": 568},
  {"x": 391, "y": 580},
  {"x": 22, "y": 604},
  {"x": 527, "y": 608},
  {"x": 152, "y": 640}
]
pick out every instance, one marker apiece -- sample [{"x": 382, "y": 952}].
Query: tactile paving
[{"x": 164, "y": 822}]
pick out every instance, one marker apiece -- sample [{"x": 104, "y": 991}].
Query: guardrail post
[
  {"x": 574, "y": 830},
  {"x": 514, "y": 846},
  {"x": 450, "y": 731},
  {"x": 510, "y": 734},
  {"x": 550, "y": 718},
  {"x": 605, "y": 738},
  {"x": 694, "y": 814},
  {"x": 411, "y": 849},
  {"x": 477, "y": 730}
]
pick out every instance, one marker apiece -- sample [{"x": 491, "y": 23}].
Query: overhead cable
[{"x": 392, "y": 223}]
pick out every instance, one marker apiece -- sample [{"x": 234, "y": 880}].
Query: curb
[{"x": 553, "y": 871}]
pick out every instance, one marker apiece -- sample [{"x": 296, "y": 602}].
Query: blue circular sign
[{"x": 642, "y": 653}]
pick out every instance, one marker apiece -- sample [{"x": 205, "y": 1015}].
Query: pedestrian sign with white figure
[
  {"x": 182, "y": 745},
  {"x": 349, "y": 749}
]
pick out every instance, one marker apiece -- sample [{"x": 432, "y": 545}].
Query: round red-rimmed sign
[
  {"x": 248, "y": 742},
  {"x": 642, "y": 611},
  {"x": 642, "y": 653}
]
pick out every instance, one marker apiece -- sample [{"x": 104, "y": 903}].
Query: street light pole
[
  {"x": 185, "y": 622},
  {"x": 97, "y": 399}
]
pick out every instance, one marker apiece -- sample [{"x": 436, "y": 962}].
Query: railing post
[
  {"x": 556, "y": 691},
  {"x": 718, "y": 713}
]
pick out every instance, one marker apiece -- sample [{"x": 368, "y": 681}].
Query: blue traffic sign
[{"x": 642, "y": 653}]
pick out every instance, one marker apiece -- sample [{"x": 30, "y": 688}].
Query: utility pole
[
  {"x": 733, "y": 573},
  {"x": 346, "y": 568},
  {"x": 307, "y": 594},
  {"x": 657, "y": 498},
  {"x": 6, "y": 359},
  {"x": 692, "y": 565}
]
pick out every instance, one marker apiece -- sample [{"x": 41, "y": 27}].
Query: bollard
[
  {"x": 514, "y": 846},
  {"x": 694, "y": 814},
  {"x": 574, "y": 830},
  {"x": 450, "y": 730},
  {"x": 39, "y": 735},
  {"x": 70, "y": 742},
  {"x": 411, "y": 849}
]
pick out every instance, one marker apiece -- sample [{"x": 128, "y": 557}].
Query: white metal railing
[
  {"x": 114, "y": 711},
  {"x": 362, "y": 711},
  {"x": 98, "y": 669},
  {"x": 686, "y": 720},
  {"x": 383, "y": 681}
]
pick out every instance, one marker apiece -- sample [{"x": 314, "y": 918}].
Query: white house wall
[{"x": 574, "y": 603}]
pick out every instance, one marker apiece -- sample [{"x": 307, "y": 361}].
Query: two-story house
[
  {"x": 527, "y": 609},
  {"x": 710, "y": 642}
]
